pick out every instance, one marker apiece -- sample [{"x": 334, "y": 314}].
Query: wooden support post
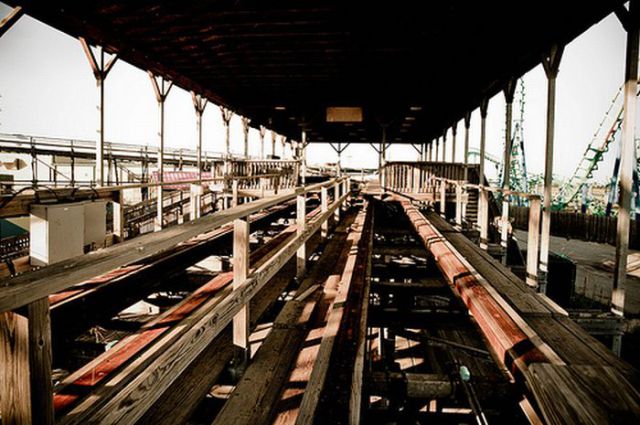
[
  {"x": 467, "y": 124},
  {"x": 454, "y": 130},
  {"x": 40, "y": 362},
  {"x": 161, "y": 90},
  {"x": 195, "y": 201},
  {"x": 26, "y": 385},
  {"x": 199, "y": 104},
  {"x": 301, "y": 222},
  {"x": 336, "y": 196},
  {"x": 241, "y": 322},
  {"x": 346, "y": 189},
  {"x": 443, "y": 199},
  {"x": 551, "y": 66},
  {"x": 273, "y": 144},
  {"x": 483, "y": 211},
  {"x": 324, "y": 203},
  {"x": 509, "y": 92},
  {"x": 303, "y": 158},
  {"x": 100, "y": 72},
  {"x": 262, "y": 132},
  {"x": 383, "y": 159},
  {"x": 118, "y": 217},
  {"x": 459, "y": 204},
  {"x": 444, "y": 146},
  {"x": 533, "y": 241},
  {"x": 14, "y": 369},
  {"x": 631, "y": 21},
  {"x": 234, "y": 193},
  {"x": 245, "y": 132},
  {"x": 226, "y": 168},
  {"x": 484, "y": 105}
]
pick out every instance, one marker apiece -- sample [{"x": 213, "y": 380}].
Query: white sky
[{"x": 47, "y": 89}]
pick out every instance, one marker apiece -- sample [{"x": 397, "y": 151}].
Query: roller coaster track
[{"x": 605, "y": 134}]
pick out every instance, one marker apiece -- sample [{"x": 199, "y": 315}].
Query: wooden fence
[
  {"x": 579, "y": 226},
  {"x": 418, "y": 177}
]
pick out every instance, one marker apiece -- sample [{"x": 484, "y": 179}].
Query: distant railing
[{"x": 418, "y": 177}]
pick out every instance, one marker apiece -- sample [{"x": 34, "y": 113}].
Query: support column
[
  {"x": 226, "y": 170},
  {"x": 533, "y": 241},
  {"x": 273, "y": 144},
  {"x": 100, "y": 72},
  {"x": 283, "y": 143},
  {"x": 263, "y": 132},
  {"x": 467, "y": 124},
  {"x": 303, "y": 158},
  {"x": 482, "y": 194},
  {"x": 454, "y": 130},
  {"x": 459, "y": 208},
  {"x": 444, "y": 146},
  {"x": 161, "y": 90},
  {"x": 324, "y": 204},
  {"x": 509, "y": 92},
  {"x": 240, "y": 273},
  {"x": 199, "y": 104},
  {"x": 551, "y": 66},
  {"x": 631, "y": 22},
  {"x": 245, "y": 131},
  {"x": 437, "y": 146},
  {"x": 383, "y": 159},
  {"x": 301, "y": 225},
  {"x": 336, "y": 196}
]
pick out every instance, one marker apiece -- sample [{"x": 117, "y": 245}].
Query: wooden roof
[{"x": 257, "y": 57}]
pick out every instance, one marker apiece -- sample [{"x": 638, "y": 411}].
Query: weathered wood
[
  {"x": 40, "y": 362},
  {"x": 324, "y": 203},
  {"x": 301, "y": 213},
  {"x": 240, "y": 271},
  {"x": 15, "y": 400},
  {"x": 100, "y": 369},
  {"x": 181, "y": 399},
  {"x": 533, "y": 242},
  {"x": 24, "y": 289},
  {"x": 315, "y": 386},
  {"x": 130, "y": 402},
  {"x": 254, "y": 399}
]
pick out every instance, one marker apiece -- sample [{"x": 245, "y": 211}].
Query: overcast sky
[{"x": 47, "y": 89}]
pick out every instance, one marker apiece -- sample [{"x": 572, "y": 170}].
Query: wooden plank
[
  {"x": 100, "y": 369},
  {"x": 254, "y": 398},
  {"x": 311, "y": 398},
  {"x": 179, "y": 401},
  {"x": 590, "y": 395},
  {"x": 40, "y": 362},
  {"x": 129, "y": 403},
  {"x": 24, "y": 289},
  {"x": 240, "y": 271},
  {"x": 15, "y": 397}
]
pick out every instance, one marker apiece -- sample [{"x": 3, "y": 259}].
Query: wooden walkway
[{"x": 572, "y": 377}]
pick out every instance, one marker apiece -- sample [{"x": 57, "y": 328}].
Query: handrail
[{"x": 24, "y": 289}]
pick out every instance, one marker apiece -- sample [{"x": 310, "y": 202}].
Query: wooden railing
[
  {"x": 25, "y": 333},
  {"x": 418, "y": 177}
]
